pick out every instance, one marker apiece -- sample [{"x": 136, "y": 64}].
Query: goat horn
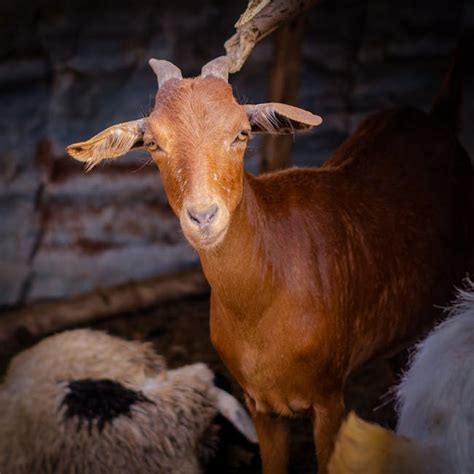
[
  {"x": 218, "y": 67},
  {"x": 164, "y": 70}
]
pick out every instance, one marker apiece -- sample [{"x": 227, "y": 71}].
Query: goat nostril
[
  {"x": 193, "y": 217},
  {"x": 203, "y": 218},
  {"x": 212, "y": 211}
]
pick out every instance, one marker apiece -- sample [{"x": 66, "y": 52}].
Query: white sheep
[
  {"x": 85, "y": 402},
  {"x": 435, "y": 432}
]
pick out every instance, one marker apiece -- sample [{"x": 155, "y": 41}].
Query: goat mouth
[{"x": 205, "y": 241}]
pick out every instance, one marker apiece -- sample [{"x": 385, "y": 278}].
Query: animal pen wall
[{"x": 68, "y": 69}]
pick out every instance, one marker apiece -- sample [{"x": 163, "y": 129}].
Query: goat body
[
  {"x": 324, "y": 269},
  {"x": 313, "y": 272}
]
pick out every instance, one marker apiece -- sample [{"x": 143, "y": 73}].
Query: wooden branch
[
  {"x": 44, "y": 318},
  {"x": 283, "y": 87},
  {"x": 260, "y": 19}
]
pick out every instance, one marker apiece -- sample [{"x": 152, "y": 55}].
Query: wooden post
[
  {"x": 43, "y": 318},
  {"x": 261, "y": 18},
  {"x": 283, "y": 87}
]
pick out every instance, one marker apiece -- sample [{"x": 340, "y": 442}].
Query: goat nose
[{"x": 202, "y": 218}]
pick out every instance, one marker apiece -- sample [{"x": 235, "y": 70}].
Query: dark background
[{"x": 69, "y": 69}]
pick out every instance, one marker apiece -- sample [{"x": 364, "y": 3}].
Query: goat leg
[
  {"x": 328, "y": 414},
  {"x": 273, "y": 438}
]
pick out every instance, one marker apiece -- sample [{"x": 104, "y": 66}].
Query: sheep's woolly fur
[
  {"x": 435, "y": 432},
  {"x": 162, "y": 433}
]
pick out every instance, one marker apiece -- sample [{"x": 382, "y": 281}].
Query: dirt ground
[{"x": 180, "y": 331}]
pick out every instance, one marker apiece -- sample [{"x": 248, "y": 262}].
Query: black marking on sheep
[{"x": 100, "y": 401}]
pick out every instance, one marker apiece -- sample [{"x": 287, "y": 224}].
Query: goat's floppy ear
[
  {"x": 110, "y": 143},
  {"x": 280, "y": 118}
]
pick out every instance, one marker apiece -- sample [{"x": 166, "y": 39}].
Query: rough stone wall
[{"x": 69, "y": 69}]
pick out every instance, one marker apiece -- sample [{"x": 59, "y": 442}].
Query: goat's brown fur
[{"x": 313, "y": 271}]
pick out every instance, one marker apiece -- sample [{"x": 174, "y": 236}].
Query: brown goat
[{"x": 313, "y": 271}]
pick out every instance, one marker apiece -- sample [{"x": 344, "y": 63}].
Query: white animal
[
  {"x": 435, "y": 432},
  {"x": 85, "y": 402}
]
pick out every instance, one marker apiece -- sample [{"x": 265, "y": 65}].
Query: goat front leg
[
  {"x": 328, "y": 414},
  {"x": 273, "y": 439}
]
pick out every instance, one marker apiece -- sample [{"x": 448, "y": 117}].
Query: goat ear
[
  {"x": 278, "y": 118},
  {"x": 110, "y": 143}
]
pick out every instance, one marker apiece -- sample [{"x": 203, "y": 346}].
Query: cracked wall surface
[{"x": 70, "y": 69}]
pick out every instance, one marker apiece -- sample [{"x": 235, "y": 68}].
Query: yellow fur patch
[{"x": 366, "y": 448}]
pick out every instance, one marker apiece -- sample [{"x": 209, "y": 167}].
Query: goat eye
[
  {"x": 151, "y": 145},
  {"x": 242, "y": 136}
]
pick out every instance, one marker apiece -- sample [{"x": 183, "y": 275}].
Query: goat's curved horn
[
  {"x": 164, "y": 70},
  {"x": 218, "y": 67}
]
